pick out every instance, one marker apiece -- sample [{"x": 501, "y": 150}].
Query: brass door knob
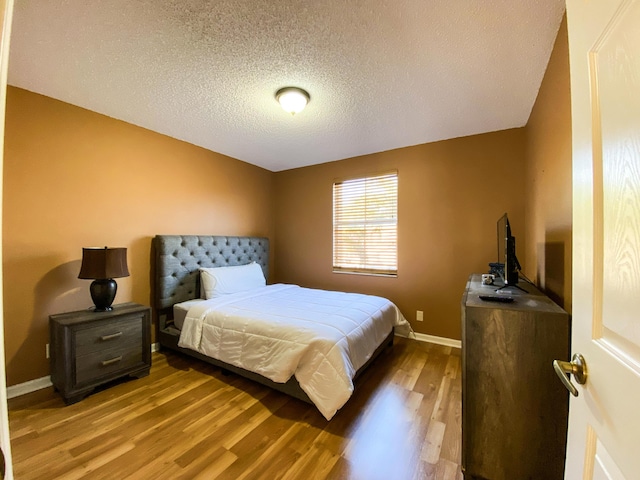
[{"x": 576, "y": 367}]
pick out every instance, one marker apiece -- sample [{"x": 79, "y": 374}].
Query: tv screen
[{"x": 507, "y": 252}]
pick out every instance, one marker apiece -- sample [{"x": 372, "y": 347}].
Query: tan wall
[
  {"x": 549, "y": 205},
  {"x": 74, "y": 178},
  {"x": 451, "y": 194}
]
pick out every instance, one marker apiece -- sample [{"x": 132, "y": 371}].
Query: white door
[
  {"x": 604, "y": 420},
  {"x": 6, "y": 15}
]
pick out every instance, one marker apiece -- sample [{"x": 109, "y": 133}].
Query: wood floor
[{"x": 187, "y": 420}]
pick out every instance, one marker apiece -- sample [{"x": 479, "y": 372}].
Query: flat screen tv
[{"x": 507, "y": 252}]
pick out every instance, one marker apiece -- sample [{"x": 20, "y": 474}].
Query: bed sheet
[{"x": 181, "y": 309}]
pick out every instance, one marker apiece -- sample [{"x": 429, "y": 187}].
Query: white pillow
[{"x": 218, "y": 281}]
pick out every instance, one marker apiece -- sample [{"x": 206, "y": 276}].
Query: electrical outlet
[
  {"x": 47, "y": 350},
  {"x": 419, "y": 317}
]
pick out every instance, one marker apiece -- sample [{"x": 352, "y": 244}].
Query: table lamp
[{"x": 102, "y": 265}]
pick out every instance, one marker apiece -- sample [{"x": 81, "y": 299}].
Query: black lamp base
[{"x": 103, "y": 292}]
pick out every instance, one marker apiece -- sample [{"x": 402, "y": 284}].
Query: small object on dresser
[
  {"x": 90, "y": 348},
  {"x": 496, "y": 269},
  {"x": 488, "y": 278}
]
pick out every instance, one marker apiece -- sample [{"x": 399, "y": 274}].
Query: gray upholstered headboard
[{"x": 178, "y": 258}]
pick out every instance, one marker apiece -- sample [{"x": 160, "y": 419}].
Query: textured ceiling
[{"x": 382, "y": 74}]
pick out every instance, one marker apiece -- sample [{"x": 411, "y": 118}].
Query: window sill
[{"x": 368, "y": 274}]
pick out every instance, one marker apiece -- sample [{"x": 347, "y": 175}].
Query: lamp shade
[{"x": 103, "y": 263}]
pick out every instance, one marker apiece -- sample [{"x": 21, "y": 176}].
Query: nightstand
[{"x": 91, "y": 348}]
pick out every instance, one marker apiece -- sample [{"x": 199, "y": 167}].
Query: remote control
[{"x": 496, "y": 298}]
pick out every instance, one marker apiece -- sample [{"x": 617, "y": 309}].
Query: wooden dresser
[
  {"x": 91, "y": 348},
  {"x": 514, "y": 407}
]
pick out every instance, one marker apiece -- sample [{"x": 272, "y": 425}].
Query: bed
[{"x": 213, "y": 304}]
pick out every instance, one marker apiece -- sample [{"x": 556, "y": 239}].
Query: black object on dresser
[
  {"x": 514, "y": 408},
  {"x": 91, "y": 348}
]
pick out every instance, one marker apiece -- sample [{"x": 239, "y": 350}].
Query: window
[{"x": 365, "y": 225}]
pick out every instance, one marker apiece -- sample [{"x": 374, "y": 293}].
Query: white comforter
[{"x": 280, "y": 330}]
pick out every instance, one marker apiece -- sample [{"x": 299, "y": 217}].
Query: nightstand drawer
[
  {"x": 109, "y": 335},
  {"x": 98, "y": 364}
]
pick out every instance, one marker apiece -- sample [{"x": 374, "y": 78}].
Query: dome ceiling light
[{"x": 292, "y": 99}]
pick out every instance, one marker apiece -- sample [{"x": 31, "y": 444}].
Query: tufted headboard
[{"x": 178, "y": 258}]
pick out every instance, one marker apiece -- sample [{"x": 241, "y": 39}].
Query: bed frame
[{"x": 177, "y": 279}]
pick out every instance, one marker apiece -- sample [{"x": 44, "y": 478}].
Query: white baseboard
[
  {"x": 447, "y": 342},
  {"x": 28, "y": 387},
  {"x": 44, "y": 382}
]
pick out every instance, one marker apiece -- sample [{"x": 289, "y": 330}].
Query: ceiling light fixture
[{"x": 292, "y": 99}]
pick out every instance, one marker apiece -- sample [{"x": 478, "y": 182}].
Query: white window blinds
[{"x": 365, "y": 225}]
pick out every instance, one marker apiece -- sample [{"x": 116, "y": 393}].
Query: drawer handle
[
  {"x": 111, "y": 361},
  {"x": 104, "y": 338}
]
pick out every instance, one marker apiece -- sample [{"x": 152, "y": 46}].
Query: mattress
[
  {"x": 181, "y": 309},
  {"x": 278, "y": 331}
]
